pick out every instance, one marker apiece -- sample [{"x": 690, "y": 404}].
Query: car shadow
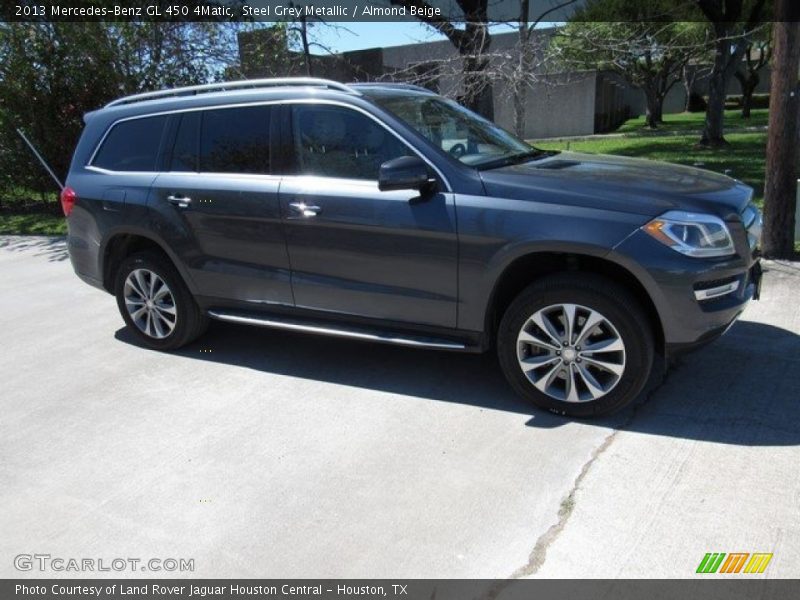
[
  {"x": 742, "y": 389},
  {"x": 53, "y": 248}
]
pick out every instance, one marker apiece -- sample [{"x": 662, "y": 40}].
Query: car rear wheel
[
  {"x": 156, "y": 304},
  {"x": 576, "y": 344}
]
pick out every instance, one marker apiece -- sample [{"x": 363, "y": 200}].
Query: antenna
[{"x": 41, "y": 160}]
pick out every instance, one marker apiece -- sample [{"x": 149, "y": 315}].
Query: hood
[{"x": 618, "y": 183}]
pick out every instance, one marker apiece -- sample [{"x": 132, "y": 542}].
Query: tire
[
  {"x": 175, "y": 319},
  {"x": 601, "y": 380}
]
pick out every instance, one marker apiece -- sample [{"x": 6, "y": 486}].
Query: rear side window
[
  {"x": 132, "y": 145},
  {"x": 235, "y": 140}
]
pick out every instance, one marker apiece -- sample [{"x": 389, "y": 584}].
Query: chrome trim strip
[
  {"x": 400, "y": 341},
  {"x": 716, "y": 292}
]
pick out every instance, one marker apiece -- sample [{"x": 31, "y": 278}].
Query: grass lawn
[
  {"x": 33, "y": 223},
  {"x": 744, "y": 158},
  {"x": 686, "y": 122}
]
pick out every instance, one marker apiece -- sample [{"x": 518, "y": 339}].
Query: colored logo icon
[{"x": 735, "y": 562}]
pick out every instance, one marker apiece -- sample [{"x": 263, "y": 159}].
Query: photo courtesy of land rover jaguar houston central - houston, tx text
[{"x": 385, "y": 212}]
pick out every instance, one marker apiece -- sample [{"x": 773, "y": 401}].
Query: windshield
[{"x": 465, "y": 135}]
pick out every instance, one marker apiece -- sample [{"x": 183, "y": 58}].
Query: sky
[{"x": 358, "y": 36}]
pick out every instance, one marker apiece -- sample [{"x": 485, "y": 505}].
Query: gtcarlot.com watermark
[{"x": 48, "y": 563}]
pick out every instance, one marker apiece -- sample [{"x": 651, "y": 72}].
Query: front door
[{"x": 354, "y": 249}]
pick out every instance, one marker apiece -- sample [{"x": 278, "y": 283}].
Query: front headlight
[
  {"x": 751, "y": 219},
  {"x": 693, "y": 234}
]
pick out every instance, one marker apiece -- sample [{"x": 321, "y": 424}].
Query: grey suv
[{"x": 384, "y": 212}]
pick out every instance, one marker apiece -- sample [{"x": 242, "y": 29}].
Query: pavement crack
[
  {"x": 565, "y": 510},
  {"x": 538, "y": 555}
]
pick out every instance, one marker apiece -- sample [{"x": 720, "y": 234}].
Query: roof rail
[
  {"x": 392, "y": 84},
  {"x": 231, "y": 85}
]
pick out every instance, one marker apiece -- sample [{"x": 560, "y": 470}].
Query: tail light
[{"x": 68, "y": 198}]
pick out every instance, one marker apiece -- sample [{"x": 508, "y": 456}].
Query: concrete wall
[{"x": 559, "y": 106}]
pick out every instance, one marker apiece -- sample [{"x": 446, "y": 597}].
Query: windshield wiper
[{"x": 515, "y": 159}]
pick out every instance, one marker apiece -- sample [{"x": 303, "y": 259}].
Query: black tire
[
  {"x": 190, "y": 322},
  {"x": 594, "y": 292}
]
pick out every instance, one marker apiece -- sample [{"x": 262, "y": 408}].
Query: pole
[{"x": 41, "y": 160}]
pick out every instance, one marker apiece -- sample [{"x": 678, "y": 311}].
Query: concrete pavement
[{"x": 261, "y": 453}]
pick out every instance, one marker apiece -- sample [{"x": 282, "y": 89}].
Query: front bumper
[{"x": 679, "y": 287}]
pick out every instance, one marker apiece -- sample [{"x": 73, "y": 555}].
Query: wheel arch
[
  {"x": 120, "y": 244},
  {"x": 525, "y": 269}
]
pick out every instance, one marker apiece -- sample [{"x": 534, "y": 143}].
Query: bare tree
[
  {"x": 528, "y": 47},
  {"x": 756, "y": 56},
  {"x": 472, "y": 42},
  {"x": 303, "y": 33},
  {"x": 650, "y": 56},
  {"x": 731, "y": 35}
]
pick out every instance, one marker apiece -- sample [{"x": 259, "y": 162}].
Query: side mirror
[{"x": 405, "y": 173}]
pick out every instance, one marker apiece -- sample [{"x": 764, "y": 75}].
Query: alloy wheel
[
  {"x": 150, "y": 303},
  {"x": 571, "y": 353}
]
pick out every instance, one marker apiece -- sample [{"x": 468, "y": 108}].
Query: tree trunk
[
  {"x": 306, "y": 46},
  {"x": 747, "y": 96},
  {"x": 478, "y": 95},
  {"x": 519, "y": 109},
  {"x": 782, "y": 150},
  {"x": 477, "y": 86},
  {"x": 688, "y": 86},
  {"x": 654, "y": 109},
  {"x": 748, "y": 82},
  {"x": 713, "y": 131},
  {"x": 520, "y": 89}
]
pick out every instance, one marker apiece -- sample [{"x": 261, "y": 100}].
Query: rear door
[
  {"x": 219, "y": 203},
  {"x": 353, "y": 248}
]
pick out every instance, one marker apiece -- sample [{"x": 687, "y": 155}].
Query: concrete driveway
[{"x": 261, "y": 453}]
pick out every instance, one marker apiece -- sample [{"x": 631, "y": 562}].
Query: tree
[
  {"x": 649, "y": 55},
  {"x": 731, "y": 37},
  {"x": 782, "y": 151},
  {"x": 52, "y": 73},
  {"x": 756, "y": 56},
  {"x": 472, "y": 42},
  {"x": 523, "y": 75}
]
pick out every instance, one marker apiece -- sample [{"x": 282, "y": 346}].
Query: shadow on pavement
[
  {"x": 53, "y": 248},
  {"x": 743, "y": 389}
]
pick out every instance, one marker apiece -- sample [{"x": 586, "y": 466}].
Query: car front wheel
[{"x": 576, "y": 344}]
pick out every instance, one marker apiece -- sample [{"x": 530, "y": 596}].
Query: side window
[
  {"x": 132, "y": 145},
  {"x": 338, "y": 142},
  {"x": 235, "y": 140},
  {"x": 184, "y": 153}
]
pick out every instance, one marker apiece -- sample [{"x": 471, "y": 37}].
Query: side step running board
[{"x": 343, "y": 331}]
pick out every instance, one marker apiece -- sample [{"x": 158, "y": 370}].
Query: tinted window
[
  {"x": 235, "y": 140},
  {"x": 132, "y": 145},
  {"x": 338, "y": 142},
  {"x": 183, "y": 156},
  {"x": 465, "y": 135}
]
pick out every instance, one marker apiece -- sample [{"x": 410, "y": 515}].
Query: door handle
[
  {"x": 306, "y": 210},
  {"x": 179, "y": 201}
]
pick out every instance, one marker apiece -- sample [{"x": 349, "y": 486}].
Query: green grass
[
  {"x": 686, "y": 122},
  {"x": 33, "y": 223},
  {"x": 744, "y": 159}
]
